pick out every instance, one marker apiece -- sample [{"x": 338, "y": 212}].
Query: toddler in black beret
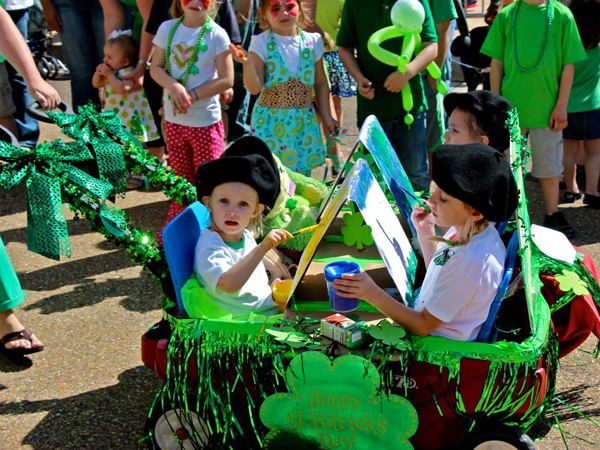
[
  {"x": 477, "y": 117},
  {"x": 236, "y": 188},
  {"x": 475, "y": 186}
]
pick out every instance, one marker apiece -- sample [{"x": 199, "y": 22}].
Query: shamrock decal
[
  {"x": 336, "y": 405},
  {"x": 288, "y": 335},
  {"x": 354, "y": 232},
  {"x": 361, "y": 155},
  {"x": 570, "y": 281},
  {"x": 389, "y": 334}
]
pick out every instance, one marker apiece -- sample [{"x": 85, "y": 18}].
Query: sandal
[
  {"x": 18, "y": 352},
  {"x": 134, "y": 181}
]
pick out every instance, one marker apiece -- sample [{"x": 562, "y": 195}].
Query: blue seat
[
  {"x": 488, "y": 332},
  {"x": 179, "y": 239}
]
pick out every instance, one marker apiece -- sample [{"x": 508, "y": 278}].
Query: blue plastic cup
[{"x": 333, "y": 271}]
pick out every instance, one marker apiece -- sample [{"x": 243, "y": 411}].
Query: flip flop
[{"x": 18, "y": 352}]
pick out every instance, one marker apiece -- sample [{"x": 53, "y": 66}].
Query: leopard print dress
[{"x": 284, "y": 116}]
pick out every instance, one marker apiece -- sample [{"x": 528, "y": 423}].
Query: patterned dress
[
  {"x": 133, "y": 109},
  {"x": 284, "y": 116}
]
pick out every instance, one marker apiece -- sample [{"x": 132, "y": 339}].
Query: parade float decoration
[{"x": 287, "y": 382}]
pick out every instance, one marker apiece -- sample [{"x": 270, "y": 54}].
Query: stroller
[{"x": 40, "y": 44}]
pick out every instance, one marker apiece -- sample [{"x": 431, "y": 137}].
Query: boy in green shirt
[
  {"x": 379, "y": 85},
  {"x": 533, "y": 45}
]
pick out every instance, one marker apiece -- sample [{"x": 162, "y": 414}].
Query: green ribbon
[
  {"x": 47, "y": 168},
  {"x": 91, "y": 126}
]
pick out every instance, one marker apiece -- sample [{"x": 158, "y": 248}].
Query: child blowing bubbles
[
  {"x": 120, "y": 53},
  {"x": 228, "y": 263},
  {"x": 474, "y": 185},
  {"x": 284, "y": 65}
]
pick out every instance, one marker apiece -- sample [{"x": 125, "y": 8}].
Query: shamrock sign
[
  {"x": 354, "y": 232},
  {"x": 336, "y": 405},
  {"x": 389, "y": 334},
  {"x": 570, "y": 281},
  {"x": 288, "y": 335}
]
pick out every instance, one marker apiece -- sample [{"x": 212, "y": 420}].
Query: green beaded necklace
[
  {"x": 543, "y": 50},
  {"x": 199, "y": 47}
]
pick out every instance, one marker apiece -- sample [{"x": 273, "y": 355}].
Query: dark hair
[
  {"x": 587, "y": 18},
  {"x": 128, "y": 46},
  {"x": 263, "y": 9}
]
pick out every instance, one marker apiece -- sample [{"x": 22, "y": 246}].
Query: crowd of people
[{"x": 189, "y": 76}]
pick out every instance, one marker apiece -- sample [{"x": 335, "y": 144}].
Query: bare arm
[
  {"x": 310, "y": 17},
  {"x": 233, "y": 280},
  {"x": 351, "y": 64},
  {"x": 360, "y": 285},
  {"x": 253, "y": 66},
  {"x": 179, "y": 95},
  {"x": 558, "y": 118},
  {"x": 15, "y": 50},
  {"x": 223, "y": 81},
  {"x": 443, "y": 34},
  {"x": 114, "y": 16},
  {"x": 396, "y": 81},
  {"x": 98, "y": 80},
  {"x": 51, "y": 15},
  {"x": 242, "y": 9},
  {"x": 323, "y": 97},
  {"x": 496, "y": 75}
]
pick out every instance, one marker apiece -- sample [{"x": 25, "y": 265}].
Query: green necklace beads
[
  {"x": 199, "y": 47},
  {"x": 546, "y": 38}
]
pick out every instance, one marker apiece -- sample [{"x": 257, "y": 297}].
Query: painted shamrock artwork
[{"x": 336, "y": 405}]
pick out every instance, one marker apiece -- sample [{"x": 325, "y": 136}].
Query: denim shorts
[{"x": 583, "y": 126}]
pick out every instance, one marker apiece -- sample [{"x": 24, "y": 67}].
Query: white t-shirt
[
  {"x": 214, "y": 257},
  {"x": 15, "y": 5},
  {"x": 206, "y": 111},
  {"x": 460, "y": 292},
  {"x": 288, "y": 46}
]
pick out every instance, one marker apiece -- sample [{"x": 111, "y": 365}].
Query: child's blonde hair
[
  {"x": 127, "y": 45},
  {"x": 263, "y": 9},
  {"x": 177, "y": 9}
]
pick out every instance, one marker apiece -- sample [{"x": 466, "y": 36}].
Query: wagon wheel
[
  {"x": 53, "y": 68},
  {"x": 498, "y": 438},
  {"x": 42, "y": 67},
  {"x": 174, "y": 428}
]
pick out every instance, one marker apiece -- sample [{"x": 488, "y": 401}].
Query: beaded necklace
[
  {"x": 544, "y": 46},
  {"x": 199, "y": 47}
]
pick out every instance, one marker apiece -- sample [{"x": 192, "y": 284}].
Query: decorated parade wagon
[{"x": 311, "y": 379}]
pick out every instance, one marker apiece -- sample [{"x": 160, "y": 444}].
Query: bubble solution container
[{"x": 333, "y": 271}]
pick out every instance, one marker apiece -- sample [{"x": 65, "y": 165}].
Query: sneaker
[
  {"x": 558, "y": 222},
  {"x": 471, "y": 4},
  {"x": 571, "y": 197},
  {"x": 593, "y": 201},
  {"x": 491, "y": 13}
]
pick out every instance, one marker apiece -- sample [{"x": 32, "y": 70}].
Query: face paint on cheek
[
  {"x": 205, "y": 4},
  {"x": 292, "y": 7},
  {"x": 274, "y": 8}
]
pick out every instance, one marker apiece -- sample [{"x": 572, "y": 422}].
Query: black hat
[
  {"x": 478, "y": 175},
  {"x": 490, "y": 111},
  {"x": 249, "y": 161}
]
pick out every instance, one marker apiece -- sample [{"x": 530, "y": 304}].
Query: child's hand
[
  {"x": 558, "y": 118},
  {"x": 365, "y": 88},
  {"x": 332, "y": 125},
  {"x": 274, "y": 238},
  {"x": 423, "y": 220},
  {"x": 356, "y": 285},
  {"x": 239, "y": 54},
  {"x": 227, "y": 96},
  {"x": 104, "y": 70},
  {"x": 396, "y": 81},
  {"x": 180, "y": 99}
]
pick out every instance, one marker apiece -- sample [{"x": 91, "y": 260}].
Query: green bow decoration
[
  {"x": 47, "y": 168},
  {"x": 91, "y": 126}
]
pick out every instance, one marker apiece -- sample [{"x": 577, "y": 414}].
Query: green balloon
[{"x": 408, "y": 15}]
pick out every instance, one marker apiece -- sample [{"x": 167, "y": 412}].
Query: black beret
[
  {"x": 490, "y": 111},
  {"x": 478, "y": 175},
  {"x": 242, "y": 162}
]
